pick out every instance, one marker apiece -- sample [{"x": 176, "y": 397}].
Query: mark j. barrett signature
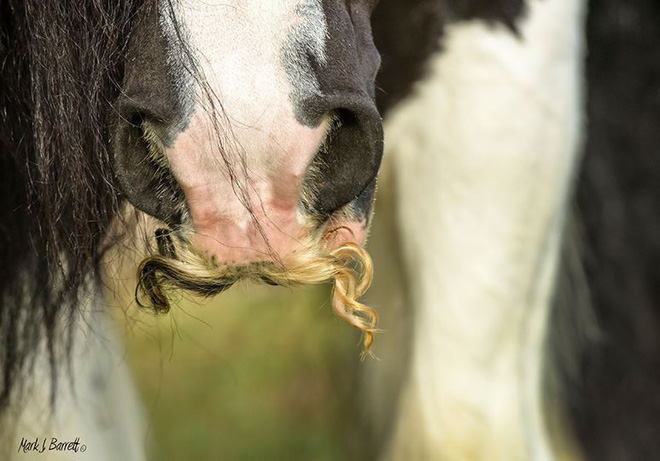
[{"x": 43, "y": 444}]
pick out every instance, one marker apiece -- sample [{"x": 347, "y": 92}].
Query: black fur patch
[
  {"x": 617, "y": 407},
  {"x": 506, "y": 12}
]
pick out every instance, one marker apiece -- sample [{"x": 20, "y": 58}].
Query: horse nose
[{"x": 347, "y": 165}]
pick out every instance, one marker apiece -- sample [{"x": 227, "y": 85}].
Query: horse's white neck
[{"x": 482, "y": 181}]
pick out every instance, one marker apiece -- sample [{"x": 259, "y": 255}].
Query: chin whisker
[{"x": 177, "y": 266}]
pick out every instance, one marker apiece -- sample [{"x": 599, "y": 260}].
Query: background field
[{"x": 257, "y": 373}]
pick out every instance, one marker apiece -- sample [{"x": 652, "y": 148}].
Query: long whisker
[{"x": 348, "y": 267}]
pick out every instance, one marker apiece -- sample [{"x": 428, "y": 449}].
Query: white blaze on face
[{"x": 253, "y": 59}]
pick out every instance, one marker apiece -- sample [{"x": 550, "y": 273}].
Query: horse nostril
[
  {"x": 141, "y": 168},
  {"x": 348, "y": 162}
]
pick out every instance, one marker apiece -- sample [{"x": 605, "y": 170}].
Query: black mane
[{"x": 60, "y": 71}]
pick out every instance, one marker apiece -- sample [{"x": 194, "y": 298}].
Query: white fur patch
[{"x": 96, "y": 403}]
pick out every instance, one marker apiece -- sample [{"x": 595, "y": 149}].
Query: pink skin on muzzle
[{"x": 267, "y": 170}]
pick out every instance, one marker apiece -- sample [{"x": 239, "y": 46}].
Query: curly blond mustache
[{"x": 348, "y": 267}]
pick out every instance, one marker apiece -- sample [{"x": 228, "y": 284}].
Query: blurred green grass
[{"x": 256, "y": 373}]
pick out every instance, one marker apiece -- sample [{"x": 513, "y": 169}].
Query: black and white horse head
[
  {"x": 247, "y": 129},
  {"x": 248, "y": 125}
]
